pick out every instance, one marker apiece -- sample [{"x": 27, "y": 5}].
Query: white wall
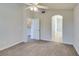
[
  {"x": 10, "y": 25},
  {"x": 76, "y": 28},
  {"x": 67, "y": 25},
  {"x": 46, "y": 20}
]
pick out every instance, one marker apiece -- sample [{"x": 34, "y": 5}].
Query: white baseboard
[
  {"x": 45, "y": 40},
  {"x": 59, "y": 42},
  {"x": 76, "y": 48},
  {"x": 68, "y": 43},
  {"x": 64, "y": 42},
  {"x": 8, "y": 46}
]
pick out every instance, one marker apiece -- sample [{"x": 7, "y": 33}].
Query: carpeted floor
[{"x": 40, "y": 48}]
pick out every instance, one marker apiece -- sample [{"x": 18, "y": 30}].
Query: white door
[
  {"x": 57, "y": 29},
  {"x": 35, "y": 29}
]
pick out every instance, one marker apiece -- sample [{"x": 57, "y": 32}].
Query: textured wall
[{"x": 10, "y": 24}]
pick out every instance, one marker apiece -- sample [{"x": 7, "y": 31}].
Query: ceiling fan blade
[
  {"x": 43, "y": 7},
  {"x": 29, "y": 4},
  {"x": 28, "y": 7}
]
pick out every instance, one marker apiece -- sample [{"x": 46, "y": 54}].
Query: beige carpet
[{"x": 40, "y": 48}]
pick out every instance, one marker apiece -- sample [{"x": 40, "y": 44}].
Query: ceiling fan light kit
[{"x": 34, "y": 7}]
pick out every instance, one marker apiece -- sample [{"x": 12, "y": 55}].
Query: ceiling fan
[{"x": 35, "y": 6}]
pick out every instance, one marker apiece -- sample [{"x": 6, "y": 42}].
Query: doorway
[
  {"x": 33, "y": 29},
  {"x": 57, "y": 28}
]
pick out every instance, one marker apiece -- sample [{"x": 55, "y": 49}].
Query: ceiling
[{"x": 59, "y": 5}]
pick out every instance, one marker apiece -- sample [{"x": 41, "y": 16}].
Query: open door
[{"x": 35, "y": 29}]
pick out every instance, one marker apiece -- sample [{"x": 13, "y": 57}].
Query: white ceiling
[{"x": 59, "y": 5}]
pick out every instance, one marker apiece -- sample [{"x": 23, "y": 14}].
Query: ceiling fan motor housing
[{"x": 43, "y": 11}]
